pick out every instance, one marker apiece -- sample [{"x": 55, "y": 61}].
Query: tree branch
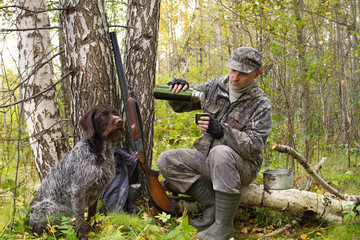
[
  {"x": 39, "y": 93},
  {"x": 27, "y": 29},
  {"x": 122, "y": 26},
  {"x": 37, "y": 66},
  {"x": 34, "y": 11},
  {"x": 292, "y": 152},
  {"x": 316, "y": 169},
  {"x": 282, "y": 229}
]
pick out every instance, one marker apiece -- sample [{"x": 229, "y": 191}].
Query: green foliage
[
  {"x": 65, "y": 229},
  {"x": 21, "y": 210},
  {"x": 173, "y": 130},
  {"x": 182, "y": 231},
  {"x": 125, "y": 226},
  {"x": 268, "y": 216},
  {"x": 97, "y": 218},
  {"x": 336, "y": 232},
  {"x": 351, "y": 213}
]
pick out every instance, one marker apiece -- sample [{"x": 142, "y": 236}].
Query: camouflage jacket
[{"x": 247, "y": 121}]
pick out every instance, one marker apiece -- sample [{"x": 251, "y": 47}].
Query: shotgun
[{"x": 156, "y": 192}]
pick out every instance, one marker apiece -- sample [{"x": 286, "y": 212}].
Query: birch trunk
[
  {"x": 88, "y": 54},
  {"x": 140, "y": 60},
  {"x": 47, "y": 138}
]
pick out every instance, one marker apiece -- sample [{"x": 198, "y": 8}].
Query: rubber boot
[
  {"x": 203, "y": 192},
  {"x": 226, "y": 206}
]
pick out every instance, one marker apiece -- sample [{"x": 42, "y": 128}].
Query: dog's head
[{"x": 102, "y": 121}]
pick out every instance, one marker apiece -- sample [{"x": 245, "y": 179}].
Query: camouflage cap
[{"x": 245, "y": 59}]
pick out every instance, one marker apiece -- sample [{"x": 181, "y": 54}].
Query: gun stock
[{"x": 159, "y": 198}]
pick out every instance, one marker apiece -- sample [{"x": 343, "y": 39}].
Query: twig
[
  {"x": 34, "y": 11},
  {"x": 122, "y": 26},
  {"x": 280, "y": 230},
  {"x": 16, "y": 173},
  {"x": 39, "y": 93},
  {"x": 316, "y": 169},
  {"x": 37, "y": 66},
  {"x": 292, "y": 152},
  {"x": 27, "y": 29}
]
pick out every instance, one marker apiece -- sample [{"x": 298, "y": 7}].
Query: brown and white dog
[{"x": 78, "y": 179}]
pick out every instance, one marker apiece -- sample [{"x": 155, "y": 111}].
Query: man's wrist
[{"x": 215, "y": 129}]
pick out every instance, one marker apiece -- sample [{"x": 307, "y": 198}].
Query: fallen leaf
[{"x": 303, "y": 236}]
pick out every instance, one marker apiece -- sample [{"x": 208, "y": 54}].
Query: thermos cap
[{"x": 197, "y": 95}]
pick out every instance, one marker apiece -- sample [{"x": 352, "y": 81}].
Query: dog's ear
[{"x": 87, "y": 124}]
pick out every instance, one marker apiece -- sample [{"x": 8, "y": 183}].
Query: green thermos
[{"x": 189, "y": 95}]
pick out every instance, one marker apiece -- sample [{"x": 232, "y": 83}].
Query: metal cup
[{"x": 199, "y": 115}]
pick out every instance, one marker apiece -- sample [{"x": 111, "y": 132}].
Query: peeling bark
[
  {"x": 88, "y": 53},
  {"x": 140, "y": 60},
  {"x": 47, "y": 138},
  {"x": 302, "y": 203}
]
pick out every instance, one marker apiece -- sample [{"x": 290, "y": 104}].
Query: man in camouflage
[{"x": 229, "y": 154}]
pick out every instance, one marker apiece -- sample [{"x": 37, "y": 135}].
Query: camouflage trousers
[{"x": 227, "y": 171}]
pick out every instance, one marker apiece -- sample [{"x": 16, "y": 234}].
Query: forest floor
[{"x": 251, "y": 223}]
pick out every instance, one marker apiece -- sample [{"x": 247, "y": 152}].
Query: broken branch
[{"x": 292, "y": 152}]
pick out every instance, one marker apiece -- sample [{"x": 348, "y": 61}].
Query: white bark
[
  {"x": 88, "y": 55},
  {"x": 140, "y": 61},
  {"x": 47, "y": 139},
  {"x": 302, "y": 203}
]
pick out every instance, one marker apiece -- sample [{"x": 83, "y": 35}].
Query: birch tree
[
  {"x": 47, "y": 138},
  {"x": 140, "y": 60},
  {"x": 88, "y": 56}
]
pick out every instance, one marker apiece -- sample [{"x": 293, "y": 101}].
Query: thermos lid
[{"x": 198, "y": 95}]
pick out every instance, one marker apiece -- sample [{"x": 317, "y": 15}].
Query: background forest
[{"x": 310, "y": 73}]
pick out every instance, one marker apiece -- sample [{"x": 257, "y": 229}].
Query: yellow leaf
[
  {"x": 244, "y": 230},
  {"x": 303, "y": 236}
]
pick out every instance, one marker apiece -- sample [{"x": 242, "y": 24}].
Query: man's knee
[
  {"x": 220, "y": 154},
  {"x": 169, "y": 161},
  {"x": 162, "y": 161}
]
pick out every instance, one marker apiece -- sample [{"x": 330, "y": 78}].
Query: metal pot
[{"x": 278, "y": 179}]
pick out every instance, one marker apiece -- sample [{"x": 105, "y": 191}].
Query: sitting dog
[{"x": 77, "y": 180}]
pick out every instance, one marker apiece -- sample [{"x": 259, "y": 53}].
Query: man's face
[{"x": 239, "y": 80}]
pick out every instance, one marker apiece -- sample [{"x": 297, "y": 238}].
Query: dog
[{"x": 77, "y": 180}]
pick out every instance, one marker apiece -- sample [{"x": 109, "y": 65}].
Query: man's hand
[
  {"x": 178, "y": 84},
  {"x": 204, "y": 123},
  {"x": 211, "y": 126}
]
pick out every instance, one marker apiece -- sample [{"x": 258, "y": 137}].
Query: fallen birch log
[{"x": 302, "y": 203}]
